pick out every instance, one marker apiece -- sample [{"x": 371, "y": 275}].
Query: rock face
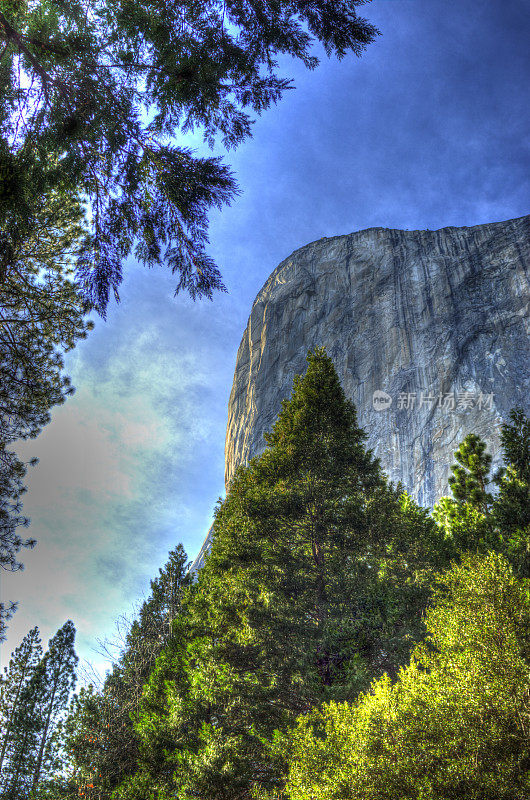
[{"x": 429, "y": 332}]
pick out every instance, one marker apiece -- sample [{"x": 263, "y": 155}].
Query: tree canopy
[
  {"x": 314, "y": 585},
  {"x": 456, "y": 722},
  {"x": 491, "y": 512},
  {"x": 100, "y": 745},
  {"x": 34, "y": 692},
  {"x": 106, "y": 89}
]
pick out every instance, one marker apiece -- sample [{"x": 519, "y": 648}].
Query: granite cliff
[{"x": 429, "y": 332}]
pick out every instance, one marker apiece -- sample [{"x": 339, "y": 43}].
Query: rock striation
[{"x": 429, "y": 332}]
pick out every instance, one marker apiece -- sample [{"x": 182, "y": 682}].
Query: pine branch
[{"x": 46, "y": 78}]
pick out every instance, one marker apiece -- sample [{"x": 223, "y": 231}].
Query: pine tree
[
  {"x": 479, "y": 520},
  {"x": 42, "y": 315},
  {"x": 103, "y": 91},
  {"x": 466, "y": 518},
  {"x": 12, "y": 472},
  {"x": 515, "y": 437},
  {"x": 99, "y": 736},
  {"x": 314, "y": 585},
  {"x": 34, "y": 696},
  {"x": 512, "y": 504},
  {"x": 25, "y": 726},
  {"x": 58, "y": 676},
  {"x": 471, "y": 474},
  {"x": 13, "y": 696},
  {"x": 27, "y": 733}
]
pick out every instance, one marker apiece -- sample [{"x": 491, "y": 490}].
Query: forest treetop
[{"x": 100, "y": 90}]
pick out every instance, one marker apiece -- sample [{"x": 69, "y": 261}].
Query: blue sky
[{"x": 429, "y": 128}]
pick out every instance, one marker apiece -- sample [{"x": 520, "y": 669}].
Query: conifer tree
[
  {"x": 42, "y": 315},
  {"x": 33, "y": 698},
  {"x": 314, "y": 585},
  {"x": 515, "y": 437},
  {"x": 471, "y": 473},
  {"x": 103, "y": 89},
  {"x": 479, "y": 520},
  {"x": 99, "y": 741},
  {"x": 512, "y": 504},
  {"x": 25, "y": 725},
  {"x": 58, "y": 676},
  {"x": 27, "y": 733},
  {"x": 13, "y": 696}
]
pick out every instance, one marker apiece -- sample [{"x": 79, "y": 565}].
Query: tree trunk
[
  {"x": 38, "y": 765},
  {"x": 10, "y": 720}
]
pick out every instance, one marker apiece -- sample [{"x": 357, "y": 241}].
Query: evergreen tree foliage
[
  {"x": 12, "y": 472},
  {"x": 41, "y": 316},
  {"x": 471, "y": 473},
  {"x": 479, "y": 520},
  {"x": 102, "y": 90},
  {"x": 34, "y": 695},
  {"x": 456, "y": 724},
  {"x": 13, "y": 696},
  {"x": 26, "y": 733},
  {"x": 515, "y": 439},
  {"x": 512, "y": 506},
  {"x": 315, "y": 584},
  {"x": 59, "y": 676},
  {"x": 100, "y": 745}
]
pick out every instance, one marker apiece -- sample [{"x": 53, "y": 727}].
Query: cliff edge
[{"x": 429, "y": 332}]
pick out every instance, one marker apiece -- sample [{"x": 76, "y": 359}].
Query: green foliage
[
  {"x": 41, "y": 316},
  {"x": 470, "y": 475},
  {"x": 315, "y": 584},
  {"x": 12, "y": 472},
  {"x": 100, "y": 745},
  {"x": 103, "y": 90},
  {"x": 58, "y": 676},
  {"x": 33, "y": 698},
  {"x": 456, "y": 723},
  {"x": 478, "y": 520},
  {"x": 512, "y": 506},
  {"x": 14, "y": 693},
  {"x": 248, "y": 682}
]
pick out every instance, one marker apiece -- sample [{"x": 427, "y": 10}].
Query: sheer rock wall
[{"x": 434, "y": 319}]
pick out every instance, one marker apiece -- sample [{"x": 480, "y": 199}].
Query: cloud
[{"x": 118, "y": 483}]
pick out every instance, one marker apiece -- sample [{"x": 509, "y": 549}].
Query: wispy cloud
[{"x": 116, "y": 485}]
